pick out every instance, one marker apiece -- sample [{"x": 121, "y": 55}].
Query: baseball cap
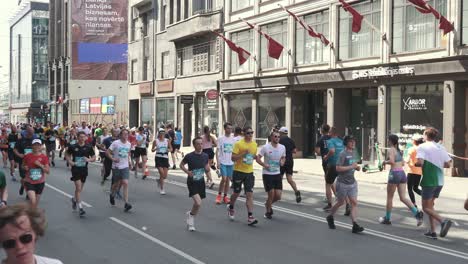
[
  {"x": 161, "y": 130},
  {"x": 37, "y": 141},
  {"x": 417, "y": 137},
  {"x": 283, "y": 130}
]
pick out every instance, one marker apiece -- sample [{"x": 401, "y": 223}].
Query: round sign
[{"x": 211, "y": 94}]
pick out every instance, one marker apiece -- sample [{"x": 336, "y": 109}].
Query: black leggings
[{"x": 413, "y": 185}]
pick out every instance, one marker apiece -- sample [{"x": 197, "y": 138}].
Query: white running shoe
[
  {"x": 162, "y": 192},
  {"x": 190, "y": 222}
]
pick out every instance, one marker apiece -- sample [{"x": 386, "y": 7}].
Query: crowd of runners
[{"x": 29, "y": 152}]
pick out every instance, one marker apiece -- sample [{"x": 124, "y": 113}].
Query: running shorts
[
  {"x": 397, "y": 177},
  {"x": 120, "y": 174},
  {"x": 11, "y": 155},
  {"x": 196, "y": 187},
  {"x": 429, "y": 193},
  {"x": 139, "y": 152},
  {"x": 344, "y": 190},
  {"x": 3, "y": 182},
  {"x": 50, "y": 146},
  {"x": 79, "y": 174},
  {"x": 287, "y": 168},
  {"x": 241, "y": 178},
  {"x": 37, "y": 188},
  {"x": 226, "y": 170},
  {"x": 161, "y": 162},
  {"x": 175, "y": 147},
  {"x": 331, "y": 174},
  {"x": 209, "y": 152},
  {"x": 272, "y": 182}
]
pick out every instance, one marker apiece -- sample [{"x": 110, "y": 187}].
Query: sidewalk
[{"x": 455, "y": 187}]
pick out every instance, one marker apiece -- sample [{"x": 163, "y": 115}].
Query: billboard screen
[
  {"x": 99, "y": 39},
  {"x": 84, "y": 106},
  {"x": 108, "y": 105}
]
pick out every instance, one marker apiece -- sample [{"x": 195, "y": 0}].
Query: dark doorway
[
  {"x": 187, "y": 129},
  {"x": 133, "y": 113},
  {"x": 315, "y": 116}
]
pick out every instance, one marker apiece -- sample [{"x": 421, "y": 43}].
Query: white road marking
[
  {"x": 66, "y": 194},
  {"x": 372, "y": 232},
  {"x": 157, "y": 241}
]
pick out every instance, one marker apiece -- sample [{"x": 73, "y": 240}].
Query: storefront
[
  {"x": 240, "y": 110},
  {"x": 146, "y": 111},
  {"x": 164, "y": 111},
  {"x": 208, "y": 112}
]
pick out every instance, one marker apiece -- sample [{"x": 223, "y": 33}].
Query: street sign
[{"x": 186, "y": 99}]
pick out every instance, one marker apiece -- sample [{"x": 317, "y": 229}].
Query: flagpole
[
  {"x": 261, "y": 33},
  {"x": 383, "y": 35}
]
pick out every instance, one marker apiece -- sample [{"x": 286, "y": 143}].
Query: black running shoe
[
  {"x": 384, "y": 221},
  {"x": 268, "y": 215},
  {"x": 444, "y": 227},
  {"x": 298, "y": 197},
  {"x": 327, "y": 208},
  {"x": 331, "y": 222},
  {"x": 348, "y": 210},
  {"x": 74, "y": 204},
  {"x": 357, "y": 229},
  {"x": 127, "y": 207},
  {"x": 112, "y": 199},
  {"x": 82, "y": 212},
  {"x": 21, "y": 190},
  {"x": 174, "y": 167},
  {"x": 53, "y": 164},
  {"x": 431, "y": 235}
]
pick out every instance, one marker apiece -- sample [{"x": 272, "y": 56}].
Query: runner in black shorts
[
  {"x": 78, "y": 156},
  {"x": 197, "y": 162},
  {"x": 288, "y": 166},
  {"x": 12, "y": 139},
  {"x": 335, "y": 147},
  {"x": 22, "y": 147}
]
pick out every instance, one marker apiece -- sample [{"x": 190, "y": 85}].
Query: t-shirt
[
  {"x": 434, "y": 156},
  {"x": 35, "y": 175},
  {"x": 102, "y": 138},
  {"x": 237, "y": 138},
  {"x": 323, "y": 145},
  {"x": 120, "y": 150},
  {"x": 86, "y": 130},
  {"x": 98, "y": 132},
  {"x": 171, "y": 134},
  {"x": 12, "y": 139},
  {"x": 147, "y": 132},
  {"x": 80, "y": 153},
  {"x": 196, "y": 164},
  {"x": 336, "y": 144},
  {"x": 289, "y": 144},
  {"x": 178, "y": 139},
  {"x": 23, "y": 146},
  {"x": 141, "y": 140},
  {"x": 39, "y": 131},
  {"x": 43, "y": 260},
  {"x": 49, "y": 136},
  {"x": 245, "y": 164},
  {"x": 272, "y": 157},
  {"x": 108, "y": 142},
  {"x": 346, "y": 158},
  {"x": 412, "y": 152},
  {"x": 225, "y": 147}
]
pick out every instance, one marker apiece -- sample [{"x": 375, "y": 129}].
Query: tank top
[
  {"x": 398, "y": 156},
  {"x": 162, "y": 148},
  {"x": 207, "y": 144}
]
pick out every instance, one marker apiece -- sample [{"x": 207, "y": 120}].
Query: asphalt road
[{"x": 155, "y": 231}]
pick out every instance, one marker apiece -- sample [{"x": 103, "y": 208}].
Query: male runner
[
  {"x": 78, "y": 156},
  {"x": 288, "y": 166},
  {"x": 23, "y": 147},
  {"x": 141, "y": 151},
  {"x": 61, "y": 132},
  {"x": 433, "y": 158},
  {"x": 346, "y": 186},
  {"x": 170, "y": 134},
  {"x": 275, "y": 157},
  {"x": 4, "y": 146},
  {"x": 119, "y": 152},
  {"x": 36, "y": 166},
  {"x": 321, "y": 149},
  {"x": 224, "y": 162},
  {"x": 12, "y": 139},
  {"x": 198, "y": 166},
  {"x": 107, "y": 164},
  {"x": 50, "y": 143},
  {"x": 243, "y": 154},
  {"x": 335, "y": 147}
]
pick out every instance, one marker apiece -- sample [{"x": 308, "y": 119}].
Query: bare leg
[{"x": 196, "y": 204}]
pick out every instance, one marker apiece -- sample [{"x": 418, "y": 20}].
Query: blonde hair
[{"x": 10, "y": 215}]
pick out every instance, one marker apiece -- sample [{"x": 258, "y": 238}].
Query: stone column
[
  {"x": 449, "y": 115},
  {"x": 382, "y": 114}
]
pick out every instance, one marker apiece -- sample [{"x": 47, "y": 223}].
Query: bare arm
[
  {"x": 69, "y": 159},
  {"x": 260, "y": 161},
  {"x": 419, "y": 163}
]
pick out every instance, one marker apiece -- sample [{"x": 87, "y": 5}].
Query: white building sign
[{"x": 382, "y": 72}]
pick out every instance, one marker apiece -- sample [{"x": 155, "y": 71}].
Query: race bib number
[
  {"x": 73, "y": 142},
  {"x": 80, "y": 162},
  {"x": 198, "y": 174},
  {"x": 52, "y": 139},
  {"x": 274, "y": 165},
  {"x": 227, "y": 148},
  {"x": 248, "y": 159},
  {"x": 163, "y": 149},
  {"x": 123, "y": 153},
  {"x": 27, "y": 151},
  {"x": 35, "y": 174},
  {"x": 12, "y": 145}
]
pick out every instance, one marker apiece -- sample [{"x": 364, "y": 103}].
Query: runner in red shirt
[{"x": 36, "y": 166}]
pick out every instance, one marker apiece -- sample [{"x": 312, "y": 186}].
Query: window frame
[
  {"x": 264, "y": 51},
  {"x": 233, "y": 56},
  {"x": 325, "y": 49}
]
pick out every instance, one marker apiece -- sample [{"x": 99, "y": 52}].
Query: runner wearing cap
[
  {"x": 140, "y": 151},
  {"x": 78, "y": 156},
  {"x": 162, "y": 147},
  {"x": 288, "y": 166},
  {"x": 36, "y": 166},
  {"x": 23, "y": 147}
]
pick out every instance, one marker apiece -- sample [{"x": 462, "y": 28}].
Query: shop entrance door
[
  {"x": 363, "y": 121},
  {"x": 316, "y": 110},
  {"x": 187, "y": 129},
  {"x": 134, "y": 113}
]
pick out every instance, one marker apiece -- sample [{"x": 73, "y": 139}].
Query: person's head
[
  {"x": 82, "y": 137},
  {"x": 283, "y": 131},
  {"x": 13, "y": 129},
  {"x": 325, "y": 129},
  {"x": 37, "y": 146},
  {"x": 248, "y": 133},
  {"x": 124, "y": 134},
  {"x": 161, "y": 133},
  {"x": 197, "y": 143},
  {"x": 29, "y": 132},
  {"x": 238, "y": 131},
  {"x": 4, "y": 131},
  {"x": 206, "y": 130},
  {"x": 145, "y": 126},
  {"x": 115, "y": 132},
  {"x": 20, "y": 227},
  {"x": 104, "y": 130},
  {"x": 141, "y": 129},
  {"x": 333, "y": 132},
  {"x": 275, "y": 137},
  {"x": 393, "y": 140},
  {"x": 227, "y": 128},
  {"x": 431, "y": 134},
  {"x": 73, "y": 131},
  {"x": 418, "y": 140},
  {"x": 177, "y": 128},
  {"x": 83, "y": 124},
  {"x": 349, "y": 142},
  {"x": 169, "y": 126}
]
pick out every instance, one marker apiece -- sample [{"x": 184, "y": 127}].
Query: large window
[
  {"x": 465, "y": 22},
  {"x": 240, "y": 4},
  {"x": 134, "y": 66},
  {"x": 163, "y": 17},
  {"x": 366, "y": 43},
  {"x": 311, "y": 50},
  {"x": 202, "y": 6},
  {"x": 240, "y": 110},
  {"x": 200, "y": 58},
  {"x": 144, "y": 24},
  {"x": 271, "y": 112},
  {"x": 164, "y": 112},
  {"x": 243, "y": 39},
  {"x": 165, "y": 64},
  {"x": 147, "y": 111},
  {"x": 413, "y": 30},
  {"x": 279, "y": 32}
]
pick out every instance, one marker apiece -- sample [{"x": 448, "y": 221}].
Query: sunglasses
[
  {"x": 275, "y": 136},
  {"x": 11, "y": 243},
  {"x": 249, "y": 133}
]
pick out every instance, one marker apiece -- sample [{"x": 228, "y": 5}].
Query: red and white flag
[
  {"x": 357, "y": 18},
  {"x": 445, "y": 25},
  {"x": 423, "y": 7},
  {"x": 242, "y": 54},
  {"x": 309, "y": 29},
  {"x": 274, "y": 47}
]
